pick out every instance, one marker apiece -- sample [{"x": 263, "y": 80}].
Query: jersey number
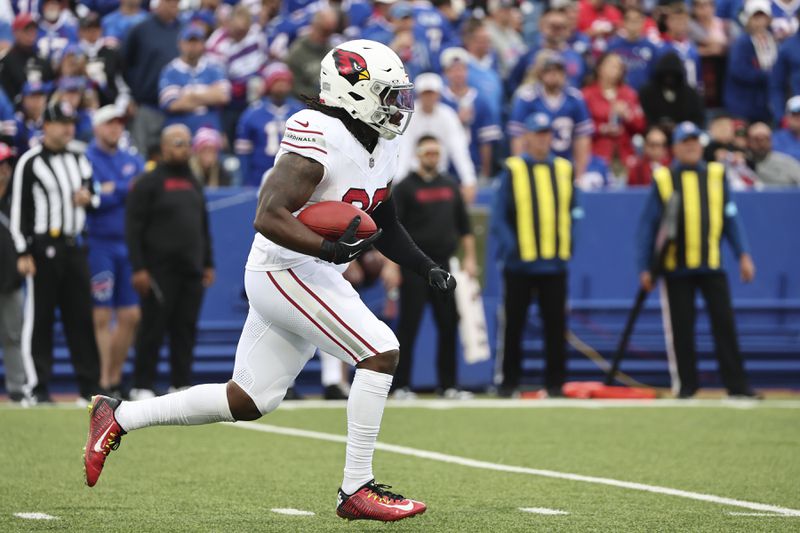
[
  {"x": 272, "y": 130},
  {"x": 360, "y": 198}
]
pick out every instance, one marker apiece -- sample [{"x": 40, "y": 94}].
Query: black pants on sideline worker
[
  {"x": 62, "y": 279},
  {"x": 415, "y": 293},
  {"x": 681, "y": 291},
  {"x": 551, "y": 292},
  {"x": 172, "y": 307}
]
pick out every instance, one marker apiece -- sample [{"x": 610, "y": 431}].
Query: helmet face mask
[{"x": 368, "y": 80}]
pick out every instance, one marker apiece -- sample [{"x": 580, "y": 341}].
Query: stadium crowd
[
  {"x": 612, "y": 81},
  {"x": 610, "y": 76}
]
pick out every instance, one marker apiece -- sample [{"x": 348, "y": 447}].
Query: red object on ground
[
  {"x": 598, "y": 390},
  {"x": 330, "y": 219}
]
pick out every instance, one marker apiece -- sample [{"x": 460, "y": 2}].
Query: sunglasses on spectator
[
  {"x": 180, "y": 143},
  {"x": 429, "y": 152}
]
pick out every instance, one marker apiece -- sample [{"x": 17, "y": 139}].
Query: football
[{"x": 330, "y": 219}]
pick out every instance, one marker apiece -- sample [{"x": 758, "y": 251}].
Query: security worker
[
  {"x": 532, "y": 222},
  {"x": 693, "y": 260}
]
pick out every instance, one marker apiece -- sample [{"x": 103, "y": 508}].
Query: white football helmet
[{"x": 368, "y": 80}]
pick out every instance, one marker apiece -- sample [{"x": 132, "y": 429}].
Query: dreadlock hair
[{"x": 367, "y": 136}]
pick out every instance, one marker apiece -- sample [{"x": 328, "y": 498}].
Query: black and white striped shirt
[{"x": 42, "y": 193}]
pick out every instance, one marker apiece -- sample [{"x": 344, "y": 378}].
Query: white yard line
[
  {"x": 35, "y": 516},
  {"x": 485, "y": 465},
  {"x": 292, "y": 512},
  {"x": 542, "y": 510},
  {"x": 759, "y": 514}
]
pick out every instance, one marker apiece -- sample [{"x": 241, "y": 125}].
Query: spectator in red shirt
[
  {"x": 599, "y": 21},
  {"x": 656, "y": 154},
  {"x": 615, "y": 111}
]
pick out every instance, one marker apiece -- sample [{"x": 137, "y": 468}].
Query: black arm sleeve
[{"x": 395, "y": 242}]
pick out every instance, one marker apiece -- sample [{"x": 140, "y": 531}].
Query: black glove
[
  {"x": 441, "y": 280},
  {"x": 348, "y": 247}
]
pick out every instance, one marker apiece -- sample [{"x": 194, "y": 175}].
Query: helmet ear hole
[{"x": 355, "y": 96}]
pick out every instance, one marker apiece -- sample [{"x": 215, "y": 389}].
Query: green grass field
[{"x": 224, "y": 478}]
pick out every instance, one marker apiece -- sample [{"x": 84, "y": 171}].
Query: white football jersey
[{"x": 352, "y": 175}]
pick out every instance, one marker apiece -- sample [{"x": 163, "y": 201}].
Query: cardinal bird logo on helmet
[{"x": 351, "y": 66}]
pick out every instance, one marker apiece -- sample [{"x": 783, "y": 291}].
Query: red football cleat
[
  {"x": 105, "y": 435},
  {"x": 374, "y": 502}
]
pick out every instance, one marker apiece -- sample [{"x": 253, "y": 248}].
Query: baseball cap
[
  {"x": 71, "y": 83},
  {"x": 454, "y": 55},
  {"x": 35, "y": 87},
  {"x": 204, "y": 16},
  {"x": 23, "y": 20},
  {"x": 401, "y": 11},
  {"x": 751, "y": 7},
  {"x": 107, "y": 113},
  {"x": 59, "y": 112},
  {"x": 428, "y": 82},
  {"x": 793, "y": 104},
  {"x": 275, "y": 72},
  {"x": 5, "y": 152},
  {"x": 685, "y": 130},
  {"x": 193, "y": 31},
  {"x": 537, "y": 123}
]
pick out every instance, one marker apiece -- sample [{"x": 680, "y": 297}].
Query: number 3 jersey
[{"x": 352, "y": 175}]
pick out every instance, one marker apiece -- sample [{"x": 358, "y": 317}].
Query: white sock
[
  {"x": 201, "y": 404},
  {"x": 364, "y": 411}
]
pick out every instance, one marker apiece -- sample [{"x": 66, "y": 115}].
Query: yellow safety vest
[
  {"x": 700, "y": 218},
  {"x": 542, "y": 201}
]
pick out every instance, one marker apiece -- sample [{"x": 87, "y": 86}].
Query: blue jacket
[
  {"x": 747, "y": 85},
  {"x": 108, "y": 220},
  {"x": 785, "y": 79},
  {"x": 503, "y": 228}
]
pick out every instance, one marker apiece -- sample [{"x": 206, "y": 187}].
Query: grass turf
[{"x": 219, "y": 478}]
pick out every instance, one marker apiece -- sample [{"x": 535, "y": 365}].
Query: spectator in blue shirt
[
  {"x": 379, "y": 26},
  {"x": 433, "y": 32},
  {"x": 787, "y": 140},
  {"x": 113, "y": 169},
  {"x": 29, "y": 117},
  {"x": 571, "y": 124},
  {"x": 483, "y": 66},
  {"x": 636, "y": 50},
  {"x": 57, "y": 28},
  {"x": 73, "y": 90},
  {"x": 785, "y": 79},
  {"x": 750, "y": 64},
  {"x": 261, "y": 126},
  {"x": 117, "y": 24},
  {"x": 482, "y": 127},
  {"x": 553, "y": 36},
  {"x": 191, "y": 88},
  {"x": 149, "y": 47}
]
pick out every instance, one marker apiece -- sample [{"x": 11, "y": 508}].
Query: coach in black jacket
[{"x": 169, "y": 246}]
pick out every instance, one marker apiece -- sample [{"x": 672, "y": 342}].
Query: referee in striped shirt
[{"x": 52, "y": 188}]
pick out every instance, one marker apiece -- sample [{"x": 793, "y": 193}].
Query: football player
[{"x": 343, "y": 148}]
